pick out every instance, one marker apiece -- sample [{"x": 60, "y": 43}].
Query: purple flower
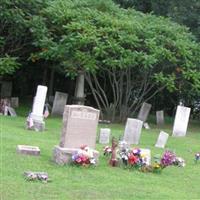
[{"x": 168, "y": 158}]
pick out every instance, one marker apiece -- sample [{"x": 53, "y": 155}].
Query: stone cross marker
[
  {"x": 133, "y": 131},
  {"x": 162, "y": 140},
  {"x": 38, "y": 108},
  {"x": 104, "y": 137},
  {"x": 144, "y": 112},
  {"x": 59, "y": 103},
  {"x": 160, "y": 117},
  {"x": 79, "y": 126},
  {"x": 181, "y": 121}
]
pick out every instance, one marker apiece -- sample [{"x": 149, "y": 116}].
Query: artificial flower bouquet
[{"x": 84, "y": 157}]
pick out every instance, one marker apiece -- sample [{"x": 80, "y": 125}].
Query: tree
[
  {"x": 126, "y": 56},
  {"x": 15, "y": 39}
]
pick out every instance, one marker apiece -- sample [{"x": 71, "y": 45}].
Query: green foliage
[
  {"x": 8, "y": 65},
  {"x": 93, "y": 35},
  {"x": 15, "y": 37}
]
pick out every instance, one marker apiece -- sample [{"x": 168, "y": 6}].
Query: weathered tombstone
[
  {"x": 6, "y": 89},
  {"x": 10, "y": 111},
  {"x": 160, "y": 117},
  {"x": 79, "y": 128},
  {"x": 181, "y": 121},
  {"x": 38, "y": 108},
  {"x": 59, "y": 103},
  {"x": 28, "y": 150},
  {"x": 162, "y": 140},
  {"x": 104, "y": 136},
  {"x": 144, "y": 112},
  {"x": 15, "y": 102},
  {"x": 146, "y": 125},
  {"x": 146, "y": 156},
  {"x": 133, "y": 131}
]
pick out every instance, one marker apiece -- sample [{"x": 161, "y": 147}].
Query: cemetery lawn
[{"x": 102, "y": 182}]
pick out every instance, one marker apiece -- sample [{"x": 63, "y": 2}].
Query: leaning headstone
[
  {"x": 15, "y": 102},
  {"x": 162, "y": 140},
  {"x": 144, "y": 112},
  {"x": 181, "y": 121},
  {"x": 160, "y": 117},
  {"x": 28, "y": 150},
  {"x": 79, "y": 128},
  {"x": 133, "y": 131},
  {"x": 10, "y": 111},
  {"x": 59, "y": 103},
  {"x": 38, "y": 108},
  {"x": 146, "y": 156},
  {"x": 104, "y": 136}
]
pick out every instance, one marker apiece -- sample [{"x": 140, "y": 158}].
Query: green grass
[{"x": 102, "y": 182}]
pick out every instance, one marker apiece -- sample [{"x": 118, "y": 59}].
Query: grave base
[
  {"x": 38, "y": 126},
  {"x": 63, "y": 156}
]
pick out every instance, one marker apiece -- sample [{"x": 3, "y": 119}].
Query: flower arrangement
[
  {"x": 168, "y": 158},
  {"x": 84, "y": 157},
  {"x": 107, "y": 151},
  {"x": 197, "y": 157}
]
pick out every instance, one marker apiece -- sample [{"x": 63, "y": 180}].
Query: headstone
[
  {"x": 3, "y": 104},
  {"x": 6, "y": 89},
  {"x": 104, "y": 136},
  {"x": 10, "y": 111},
  {"x": 38, "y": 108},
  {"x": 133, "y": 131},
  {"x": 144, "y": 112},
  {"x": 59, "y": 103},
  {"x": 146, "y": 125},
  {"x": 162, "y": 140},
  {"x": 79, "y": 128},
  {"x": 28, "y": 150},
  {"x": 181, "y": 121},
  {"x": 146, "y": 156},
  {"x": 15, "y": 102},
  {"x": 160, "y": 117}
]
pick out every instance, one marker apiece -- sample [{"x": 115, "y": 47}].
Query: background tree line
[{"x": 126, "y": 57}]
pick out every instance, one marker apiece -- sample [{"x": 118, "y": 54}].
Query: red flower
[{"x": 132, "y": 159}]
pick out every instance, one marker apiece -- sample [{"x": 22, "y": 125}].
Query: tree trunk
[
  {"x": 79, "y": 90},
  {"x": 44, "y": 78}
]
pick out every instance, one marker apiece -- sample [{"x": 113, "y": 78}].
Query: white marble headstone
[
  {"x": 162, "y": 140},
  {"x": 38, "y": 104},
  {"x": 144, "y": 112},
  {"x": 133, "y": 131},
  {"x": 160, "y": 117},
  {"x": 181, "y": 121},
  {"x": 104, "y": 136}
]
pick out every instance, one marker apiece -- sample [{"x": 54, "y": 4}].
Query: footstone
[
  {"x": 28, "y": 150},
  {"x": 14, "y": 102},
  {"x": 104, "y": 136},
  {"x": 59, "y": 103},
  {"x": 79, "y": 126},
  {"x": 133, "y": 131},
  {"x": 160, "y": 117},
  {"x": 144, "y": 112},
  {"x": 162, "y": 140},
  {"x": 63, "y": 156},
  {"x": 181, "y": 121}
]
